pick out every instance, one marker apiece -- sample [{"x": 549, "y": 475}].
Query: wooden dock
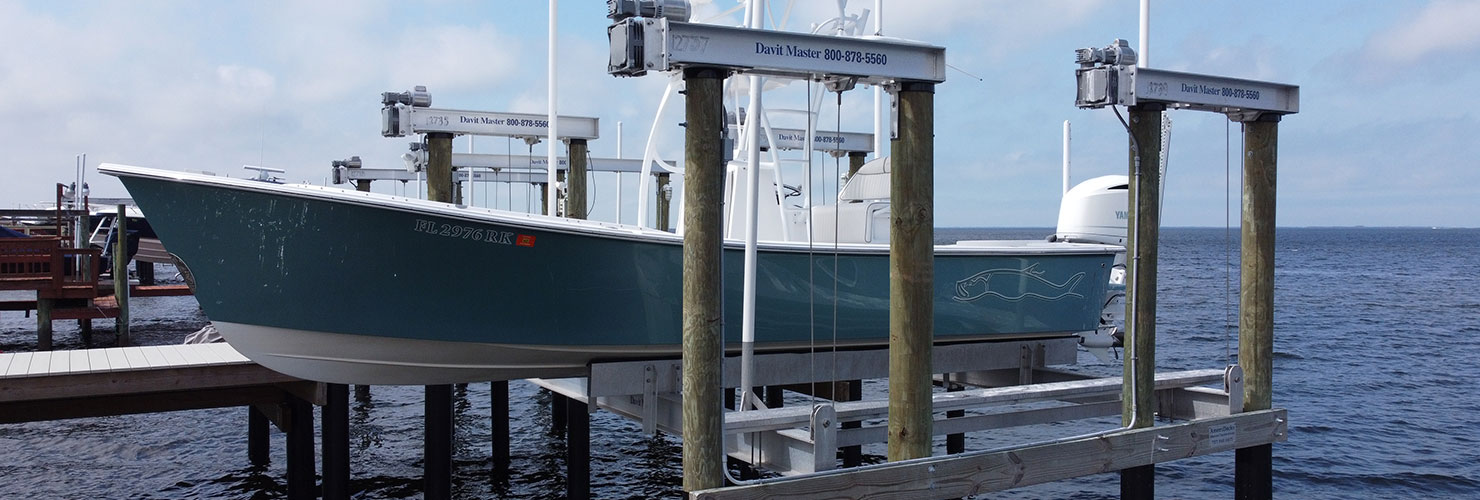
[
  {"x": 40, "y": 386},
  {"x": 123, "y": 380}
]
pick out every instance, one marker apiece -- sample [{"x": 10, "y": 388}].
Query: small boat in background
[{"x": 149, "y": 248}]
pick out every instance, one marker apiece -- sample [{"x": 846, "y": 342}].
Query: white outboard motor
[{"x": 1095, "y": 211}]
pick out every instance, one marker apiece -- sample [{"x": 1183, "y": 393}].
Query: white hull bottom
[{"x": 365, "y": 360}]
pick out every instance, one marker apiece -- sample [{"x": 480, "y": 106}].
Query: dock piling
[
  {"x": 146, "y": 272},
  {"x": 663, "y": 203},
  {"x": 856, "y": 159},
  {"x": 120, "y": 276},
  {"x": 557, "y": 415},
  {"x": 1138, "y": 399},
  {"x": 335, "y": 429},
  {"x": 439, "y": 167},
  {"x": 437, "y": 460},
  {"x": 955, "y": 443},
  {"x": 575, "y": 180},
  {"x": 300, "y": 449},
  {"x": 43, "y": 323},
  {"x": 1253, "y": 465},
  {"x": 911, "y": 273},
  {"x": 703, "y": 445},
  {"x": 577, "y": 450},
  {"x": 257, "y": 437},
  {"x": 853, "y": 455},
  {"x": 498, "y": 395}
]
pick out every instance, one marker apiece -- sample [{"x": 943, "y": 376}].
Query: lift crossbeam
[
  {"x": 398, "y": 121},
  {"x": 641, "y": 44},
  {"x": 1109, "y": 77},
  {"x": 825, "y": 141}
]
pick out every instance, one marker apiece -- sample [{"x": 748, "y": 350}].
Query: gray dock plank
[
  {"x": 116, "y": 360},
  {"x": 61, "y": 362},
  {"x": 172, "y": 355},
  {"x": 229, "y": 354},
  {"x": 5, "y": 362},
  {"x": 40, "y": 363},
  {"x": 195, "y": 356},
  {"x": 20, "y": 364},
  {"x": 136, "y": 359},
  {"x": 153, "y": 356},
  {"x": 97, "y": 360},
  {"x": 80, "y": 361}
]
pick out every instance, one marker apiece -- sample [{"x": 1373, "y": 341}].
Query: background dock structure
[
  {"x": 68, "y": 282},
  {"x": 39, "y": 386}
]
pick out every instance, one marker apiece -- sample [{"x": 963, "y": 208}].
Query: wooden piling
[
  {"x": 1253, "y": 466},
  {"x": 439, "y": 167},
  {"x": 663, "y": 202},
  {"x": 146, "y": 272},
  {"x": 498, "y": 402},
  {"x": 544, "y": 193},
  {"x": 300, "y": 449},
  {"x": 43, "y": 323},
  {"x": 335, "y": 444},
  {"x": 437, "y": 453},
  {"x": 257, "y": 437},
  {"x": 703, "y": 450},
  {"x": 911, "y": 273},
  {"x": 853, "y": 455},
  {"x": 575, "y": 180},
  {"x": 87, "y": 269},
  {"x": 577, "y": 450},
  {"x": 856, "y": 159},
  {"x": 557, "y": 414},
  {"x": 775, "y": 396},
  {"x": 120, "y": 276},
  {"x": 1138, "y": 402},
  {"x": 955, "y": 443},
  {"x": 437, "y": 450}
]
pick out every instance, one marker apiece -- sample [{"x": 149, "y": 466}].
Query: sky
[{"x": 1386, "y": 134}]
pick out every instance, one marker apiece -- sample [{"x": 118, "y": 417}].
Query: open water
[{"x": 1376, "y": 359}]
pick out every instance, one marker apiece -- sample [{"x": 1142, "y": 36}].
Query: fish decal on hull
[{"x": 1018, "y": 285}]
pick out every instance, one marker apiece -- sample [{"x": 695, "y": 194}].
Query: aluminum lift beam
[
  {"x": 643, "y": 44},
  {"x": 398, "y": 120},
  {"x": 1109, "y": 77},
  {"x": 822, "y": 140},
  {"x": 516, "y": 168}
]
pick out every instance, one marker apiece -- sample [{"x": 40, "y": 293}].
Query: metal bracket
[{"x": 1233, "y": 384}]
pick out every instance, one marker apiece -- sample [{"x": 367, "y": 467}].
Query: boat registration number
[{"x": 473, "y": 233}]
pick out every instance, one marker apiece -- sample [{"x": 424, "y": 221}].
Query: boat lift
[
  {"x": 410, "y": 112},
  {"x": 659, "y": 42},
  {"x": 1110, "y": 76}
]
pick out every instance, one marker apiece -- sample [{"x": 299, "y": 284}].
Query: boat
[
  {"x": 150, "y": 249},
  {"x": 345, "y": 286}
]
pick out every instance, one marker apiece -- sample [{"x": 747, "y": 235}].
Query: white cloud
[
  {"x": 1442, "y": 26},
  {"x": 454, "y": 58}
]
